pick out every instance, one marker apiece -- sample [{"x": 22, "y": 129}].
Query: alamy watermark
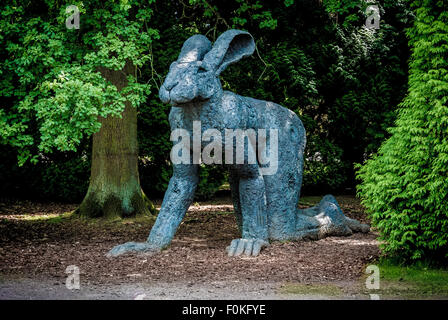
[
  {"x": 72, "y": 282},
  {"x": 250, "y": 147},
  {"x": 373, "y": 17},
  {"x": 373, "y": 280},
  {"x": 72, "y": 22}
]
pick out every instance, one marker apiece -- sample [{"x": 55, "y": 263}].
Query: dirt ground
[{"x": 39, "y": 241}]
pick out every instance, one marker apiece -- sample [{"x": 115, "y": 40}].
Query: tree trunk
[{"x": 114, "y": 189}]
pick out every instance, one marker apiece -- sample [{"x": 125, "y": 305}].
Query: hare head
[{"x": 194, "y": 76}]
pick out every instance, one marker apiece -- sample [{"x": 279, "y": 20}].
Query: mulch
[{"x": 41, "y": 248}]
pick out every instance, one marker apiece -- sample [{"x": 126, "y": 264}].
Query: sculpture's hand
[
  {"x": 141, "y": 247},
  {"x": 249, "y": 247}
]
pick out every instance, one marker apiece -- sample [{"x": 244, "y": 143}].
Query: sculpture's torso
[{"x": 231, "y": 111}]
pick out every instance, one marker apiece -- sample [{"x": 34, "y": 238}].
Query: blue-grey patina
[{"x": 266, "y": 206}]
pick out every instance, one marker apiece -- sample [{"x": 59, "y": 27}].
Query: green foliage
[
  {"x": 419, "y": 280},
  {"x": 66, "y": 179},
  {"x": 211, "y": 178},
  {"x": 346, "y": 12},
  {"x": 404, "y": 187},
  {"x": 323, "y": 167},
  {"x": 341, "y": 79},
  {"x": 53, "y": 85},
  {"x": 62, "y": 176},
  {"x": 419, "y": 273}
]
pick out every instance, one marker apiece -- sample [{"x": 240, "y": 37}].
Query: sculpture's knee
[
  {"x": 352, "y": 224},
  {"x": 326, "y": 219},
  {"x": 331, "y": 219}
]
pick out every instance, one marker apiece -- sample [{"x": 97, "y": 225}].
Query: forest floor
[{"x": 38, "y": 241}]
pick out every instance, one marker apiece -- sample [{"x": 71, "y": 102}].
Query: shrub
[{"x": 405, "y": 186}]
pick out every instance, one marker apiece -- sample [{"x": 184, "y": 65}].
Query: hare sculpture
[{"x": 265, "y": 195}]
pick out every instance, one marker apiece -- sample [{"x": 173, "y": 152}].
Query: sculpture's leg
[
  {"x": 234, "y": 182},
  {"x": 254, "y": 216},
  {"x": 175, "y": 204},
  {"x": 326, "y": 219}
]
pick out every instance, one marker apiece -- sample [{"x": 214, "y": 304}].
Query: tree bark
[{"x": 114, "y": 189}]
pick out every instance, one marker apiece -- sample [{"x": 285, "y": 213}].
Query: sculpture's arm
[
  {"x": 252, "y": 196},
  {"x": 175, "y": 204}
]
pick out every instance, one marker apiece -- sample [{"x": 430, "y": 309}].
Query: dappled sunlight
[
  {"x": 200, "y": 207},
  {"x": 211, "y": 207},
  {"x": 355, "y": 242},
  {"x": 34, "y": 216}
]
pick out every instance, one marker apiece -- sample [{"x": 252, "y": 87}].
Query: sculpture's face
[
  {"x": 188, "y": 82},
  {"x": 194, "y": 76}
]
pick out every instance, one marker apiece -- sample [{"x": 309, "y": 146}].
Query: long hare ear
[
  {"x": 230, "y": 47},
  {"x": 194, "y": 48}
]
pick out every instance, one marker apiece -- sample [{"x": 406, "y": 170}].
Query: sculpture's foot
[
  {"x": 326, "y": 219},
  {"x": 249, "y": 247},
  {"x": 137, "y": 247}
]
